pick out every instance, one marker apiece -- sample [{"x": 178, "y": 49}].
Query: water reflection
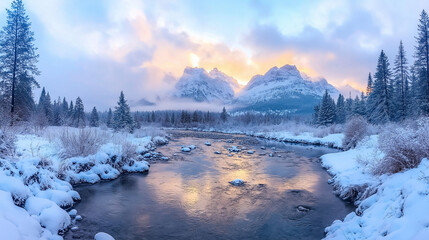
[{"x": 190, "y": 196}]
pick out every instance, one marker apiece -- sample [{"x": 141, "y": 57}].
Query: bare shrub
[
  {"x": 354, "y": 131},
  {"x": 81, "y": 142},
  {"x": 404, "y": 147},
  {"x": 129, "y": 150}
]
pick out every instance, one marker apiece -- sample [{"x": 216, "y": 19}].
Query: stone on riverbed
[
  {"x": 192, "y": 147},
  {"x": 250, "y": 152},
  {"x": 302, "y": 209},
  {"x": 103, "y": 236},
  {"x": 217, "y": 152},
  {"x": 237, "y": 182},
  {"x": 207, "y": 143},
  {"x": 186, "y": 149},
  {"x": 234, "y": 149}
]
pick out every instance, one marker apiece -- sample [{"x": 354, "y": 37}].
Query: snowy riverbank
[
  {"x": 388, "y": 206},
  {"x": 36, "y": 182},
  {"x": 333, "y": 140}
]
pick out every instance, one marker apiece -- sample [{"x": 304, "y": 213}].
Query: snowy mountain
[
  {"x": 284, "y": 88},
  {"x": 203, "y": 86}
]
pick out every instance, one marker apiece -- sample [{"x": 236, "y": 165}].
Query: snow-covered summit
[
  {"x": 203, "y": 86},
  {"x": 284, "y": 88}
]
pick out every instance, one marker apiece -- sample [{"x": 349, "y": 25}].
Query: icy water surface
[{"x": 189, "y": 197}]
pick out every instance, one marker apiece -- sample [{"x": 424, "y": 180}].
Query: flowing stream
[{"x": 285, "y": 196}]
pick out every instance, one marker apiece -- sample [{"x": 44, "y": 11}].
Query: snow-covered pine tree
[
  {"x": 56, "y": 113},
  {"x": 341, "y": 109},
  {"x": 421, "y": 55},
  {"x": 18, "y": 60},
  {"x": 327, "y": 110},
  {"x": 94, "y": 120},
  {"x": 413, "y": 100},
  {"x": 122, "y": 119},
  {"x": 78, "y": 114},
  {"x": 359, "y": 106},
  {"x": 64, "y": 112},
  {"x": 400, "y": 71},
  {"x": 349, "y": 107},
  {"x": 380, "y": 97},
  {"x": 109, "y": 120},
  {"x": 316, "y": 114}
]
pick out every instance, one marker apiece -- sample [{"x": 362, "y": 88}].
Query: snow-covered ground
[
  {"x": 36, "y": 183},
  {"x": 388, "y": 206}
]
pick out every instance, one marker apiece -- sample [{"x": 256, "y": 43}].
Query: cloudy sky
[{"x": 96, "y": 48}]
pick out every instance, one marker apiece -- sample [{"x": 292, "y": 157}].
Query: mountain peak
[{"x": 202, "y": 86}]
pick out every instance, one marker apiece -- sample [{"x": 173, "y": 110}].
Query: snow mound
[
  {"x": 15, "y": 222},
  {"x": 103, "y": 236},
  {"x": 52, "y": 217}
]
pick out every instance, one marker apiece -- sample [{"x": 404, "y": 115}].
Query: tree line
[{"x": 392, "y": 94}]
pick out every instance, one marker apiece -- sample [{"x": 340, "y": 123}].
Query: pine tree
[
  {"x": 109, "y": 118},
  {"x": 64, "y": 112},
  {"x": 78, "y": 114},
  {"x": 152, "y": 117},
  {"x": 173, "y": 118},
  {"x": 224, "y": 115},
  {"x": 122, "y": 119},
  {"x": 166, "y": 118},
  {"x": 18, "y": 60},
  {"x": 380, "y": 97},
  {"x": 359, "y": 106},
  {"x": 315, "y": 114},
  {"x": 94, "y": 120},
  {"x": 327, "y": 110},
  {"x": 341, "y": 109},
  {"x": 195, "y": 116},
  {"x": 422, "y": 61},
  {"x": 401, "y": 75},
  {"x": 413, "y": 100},
  {"x": 349, "y": 107},
  {"x": 369, "y": 85},
  {"x": 70, "y": 112},
  {"x": 56, "y": 113}
]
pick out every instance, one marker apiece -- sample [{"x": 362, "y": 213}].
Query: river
[{"x": 285, "y": 196}]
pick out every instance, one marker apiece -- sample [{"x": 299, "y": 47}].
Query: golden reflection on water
[{"x": 208, "y": 193}]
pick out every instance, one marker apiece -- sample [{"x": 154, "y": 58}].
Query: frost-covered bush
[
  {"x": 354, "y": 131},
  {"x": 80, "y": 142},
  {"x": 404, "y": 147},
  {"x": 7, "y": 143}
]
